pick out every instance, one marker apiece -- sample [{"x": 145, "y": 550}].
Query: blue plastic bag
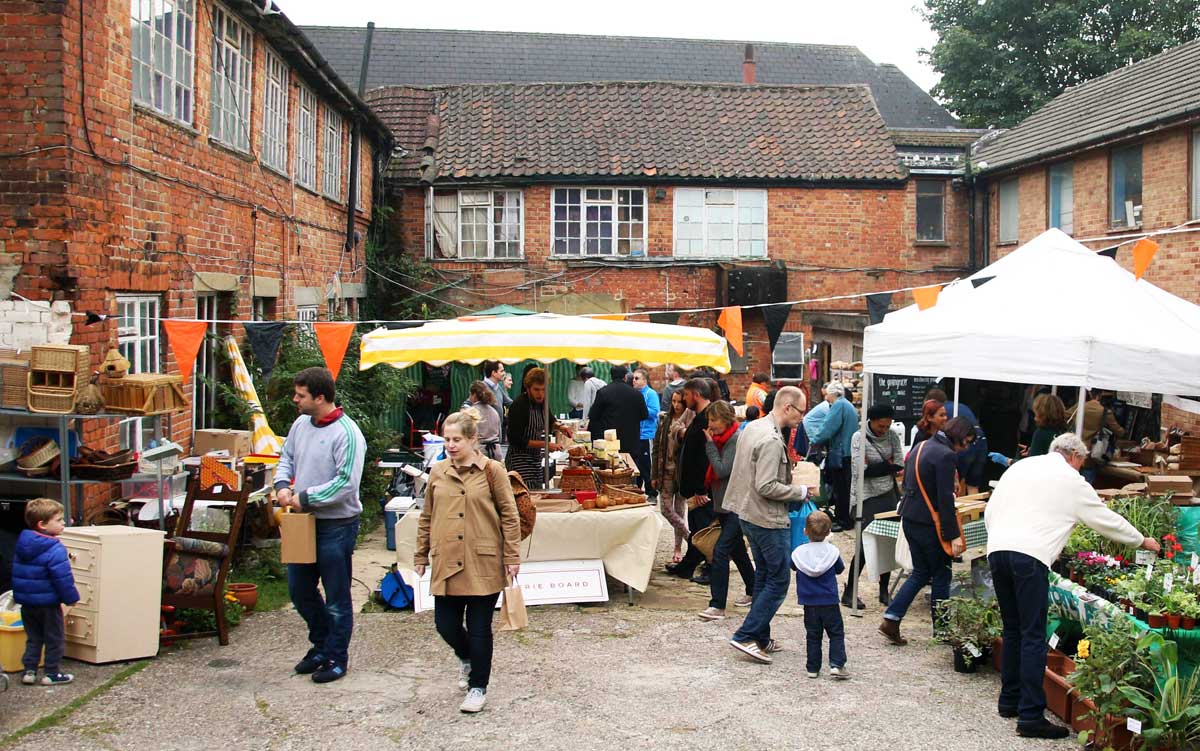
[
  {"x": 798, "y": 519},
  {"x": 394, "y": 592}
]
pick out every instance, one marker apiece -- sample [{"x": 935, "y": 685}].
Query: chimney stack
[{"x": 748, "y": 65}]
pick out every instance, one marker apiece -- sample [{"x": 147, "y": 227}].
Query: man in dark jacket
[
  {"x": 690, "y": 473},
  {"x": 619, "y": 405}
]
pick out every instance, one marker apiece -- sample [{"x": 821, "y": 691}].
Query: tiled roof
[
  {"x": 419, "y": 57},
  {"x": 407, "y": 111},
  {"x": 656, "y": 130},
  {"x": 1148, "y": 93}
]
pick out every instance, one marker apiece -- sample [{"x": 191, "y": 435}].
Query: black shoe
[
  {"x": 1042, "y": 729},
  {"x": 671, "y": 567},
  {"x": 846, "y": 603},
  {"x": 329, "y": 672},
  {"x": 837, "y": 527},
  {"x": 311, "y": 662},
  {"x": 1007, "y": 713},
  {"x": 885, "y": 599},
  {"x": 702, "y": 578}
]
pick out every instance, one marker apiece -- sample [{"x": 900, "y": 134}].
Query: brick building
[
  {"x": 1107, "y": 161},
  {"x": 808, "y": 161},
  {"x": 183, "y": 158}
]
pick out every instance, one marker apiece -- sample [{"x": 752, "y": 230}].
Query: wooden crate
[
  {"x": 63, "y": 358},
  {"x": 144, "y": 394},
  {"x": 1189, "y": 454}
]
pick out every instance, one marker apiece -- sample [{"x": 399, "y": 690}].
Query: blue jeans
[
  {"x": 930, "y": 565},
  {"x": 772, "y": 576},
  {"x": 1022, "y": 589},
  {"x": 820, "y": 620},
  {"x": 730, "y": 546},
  {"x": 330, "y": 620}
]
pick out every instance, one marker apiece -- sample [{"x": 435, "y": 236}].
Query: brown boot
[{"x": 891, "y": 629}]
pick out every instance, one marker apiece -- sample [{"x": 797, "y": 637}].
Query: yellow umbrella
[{"x": 264, "y": 439}]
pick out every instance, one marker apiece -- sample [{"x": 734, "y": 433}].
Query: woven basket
[
  {"x": 623, "y": 495},
  {"x": 37, "y": 452},
  {"x": 611, "y": 477},
  {"x": 573, "y": 480},
  {"x": 64, "y": 358}
]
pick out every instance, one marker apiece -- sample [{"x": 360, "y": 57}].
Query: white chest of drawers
[{"x": 118, "y": 572}]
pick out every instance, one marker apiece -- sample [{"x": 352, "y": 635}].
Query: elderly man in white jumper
[{"x": 1036, "y": 504}]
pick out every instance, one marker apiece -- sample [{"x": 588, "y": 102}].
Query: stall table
[{"x": 879, "y": 543}]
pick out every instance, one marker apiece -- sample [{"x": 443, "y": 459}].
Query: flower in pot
[
  {"x": 1106, "y": 660},
  {"x": 1167, "y": 704},
  {"x": 1191, "y": 613},
  {"x": 245, "y": 592},
  {"x": 1176, "y": 603}
]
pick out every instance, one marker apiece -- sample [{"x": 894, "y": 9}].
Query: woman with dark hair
[
  {"x": 875, "y": 458},
  {"x": 1050, "y": 417},
  {"x": 484, "y": 401},
  {"x": 527, "y": 430},
  {"x": 933, "y": 419},
  {"x": 929, "y": 522},
  {"x": 665, "y": 456}
]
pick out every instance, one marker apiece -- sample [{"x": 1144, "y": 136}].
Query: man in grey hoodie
[{"x": 319, "y": 470}]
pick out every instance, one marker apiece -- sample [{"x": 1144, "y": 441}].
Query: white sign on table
[{"x": 542, "y": 583}]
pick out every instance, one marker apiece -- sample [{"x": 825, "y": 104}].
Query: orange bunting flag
[
  {"x": 730, "y": 321},
  {"x": 926, "y": 297},
  {"x": 1143, "y": 254},
  {"x": 611, "y": 317},
  {"x": 185, "y": 338},
  {"x": 334, "y": 338}
]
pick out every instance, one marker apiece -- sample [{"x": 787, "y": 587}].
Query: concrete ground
[{"x": 594, "y": 677}]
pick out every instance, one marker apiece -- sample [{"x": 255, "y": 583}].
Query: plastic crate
[{"x": 12, "y": 642}]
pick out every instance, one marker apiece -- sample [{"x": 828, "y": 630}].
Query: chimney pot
[{"x": 748, "y": 65}]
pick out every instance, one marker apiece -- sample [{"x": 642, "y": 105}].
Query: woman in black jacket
[
  {"x": 930, "y": 475},
  {"x": 527, "y": 430}
]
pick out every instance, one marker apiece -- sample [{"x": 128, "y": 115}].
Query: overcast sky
[{"x": 888, "y": 31}]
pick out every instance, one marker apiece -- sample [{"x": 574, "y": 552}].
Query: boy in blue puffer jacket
[{"x": 42, "y": 585}]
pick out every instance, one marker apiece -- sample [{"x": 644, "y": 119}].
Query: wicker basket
[
  {"x": 64, "y": 358},
  {"x": 14, "y": 380},
  {"x": 144, "y": 394},
  {"x": 58, "y": 401},
  {"x": 577, "y": 479},
  {"x": 612, "y": 477},
  {"x": 37, "y": 452},
  {"x": 104, "y": 472},
  {"x": 623, "y": 495}
]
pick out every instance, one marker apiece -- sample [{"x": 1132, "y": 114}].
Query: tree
[{"x": 1000, "y": 60}]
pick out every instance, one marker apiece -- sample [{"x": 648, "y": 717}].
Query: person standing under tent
[
  {"x": 499, "y": 382},
  {"x": 675, "y": 381},
  {"x": 591, "y": 385},
  {"x": 690, "y": 474},
  {"x": 835, "y": 434},
  {"x": 671, "y": 426},
  {"x": 527, "y": 431},
  {"x": 641, "y": 382},
  {"x": 876, "y": 456},
  {"x": 619, "y": 406},
  {"x": 483, "y": 400}
]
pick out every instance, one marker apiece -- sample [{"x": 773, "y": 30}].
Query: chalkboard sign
[{"x": 906, "y": 393}]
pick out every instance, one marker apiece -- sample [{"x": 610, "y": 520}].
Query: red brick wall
[{"x": 1165, "y": 199}]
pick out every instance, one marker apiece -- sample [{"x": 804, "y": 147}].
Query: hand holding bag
[
  {"x": 705, "y": 540},
  {"x": 512, "y": 608}
]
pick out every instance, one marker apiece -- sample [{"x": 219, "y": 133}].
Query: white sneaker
[
  {"x": 474, "y": 702},
  {"x": 29, "y": 678},
  {"x": 744, "y": 601},
  {"x": 814, "y": 675},
  {"x": 842, "y": 674},
  {"x": 464, "y": 673},
  {"x": 751, "y": 650},
  {"x": 712, "y": 614}
]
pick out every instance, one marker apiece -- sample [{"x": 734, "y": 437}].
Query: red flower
[{"x": 1177, "y": 546}]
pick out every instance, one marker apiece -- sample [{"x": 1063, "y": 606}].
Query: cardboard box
[
  {"x": 238, "y": 443},
  {"x": 1177, "y": 484},
  {"x": 298, "y": 537}
]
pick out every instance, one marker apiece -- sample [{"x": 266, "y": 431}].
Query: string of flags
[{"x": 186, "y": 338}]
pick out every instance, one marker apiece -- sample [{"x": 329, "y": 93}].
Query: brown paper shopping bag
[
  {"x": 298, "y": 537},
  {"x": 512, "y": 608}
]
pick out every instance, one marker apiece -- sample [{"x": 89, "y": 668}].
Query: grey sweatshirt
[{"x": 324, "y": 464}]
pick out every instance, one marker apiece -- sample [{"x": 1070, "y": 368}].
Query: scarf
[
  {"x": 710, "y": 475},
  {"x": 329, "y": 419}
]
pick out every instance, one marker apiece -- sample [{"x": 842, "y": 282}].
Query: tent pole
[
  {"x": 860, "y": 470},
  {"x": 955, "y": 397},
  {"x": 1054, "y": 390},
  {"x": 1079, "y": 412},
  {"x": 546, "y": 416}
]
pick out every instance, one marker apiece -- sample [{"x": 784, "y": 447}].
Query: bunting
[
  {"x": 1110, "y": 252},
  {"x": 333, "y": 339},
  {"x": 185, "y": 338},
  {"x": 774, "y": 317},
  {"x": 878, "y": 306},
  {"x": 1143, "y": 254},
  {"x": 927, "y": 297},
  {"x": 977, "y": 283},
  {"x": 263, "y": 338},
  {"x": 730, "y": 322},
  {"x": 668, "y": 317}
]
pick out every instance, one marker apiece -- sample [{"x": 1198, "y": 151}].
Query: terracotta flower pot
[
  {"x": 1081, "y": 715},
  {"x": 246, "y": 594},
  {"x": 1156, "y": 620},
  {"x": 1187, "y": 622},
  {"x": 1173, "y": 620},
  {"x": 1058, "y": 694}
]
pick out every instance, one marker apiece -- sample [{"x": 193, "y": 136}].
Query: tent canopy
[
  {"x": 505, "y": 310},
  {"x": 1050, "y": 312},
  {"x": 545, "y": 337}
]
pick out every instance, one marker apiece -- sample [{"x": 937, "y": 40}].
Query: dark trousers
[
  {"x": 731, "y": 546},
  {"x": 474, "y": 642},
  {"x": 772, "y": 576},
  {"x": 839, "y": 485},
  {"x": 819, "y": 621},
  {"x": 1022, "y": 590},
  {"x": 870, "y": 508},
  {"x": 931, "y": 566},
  {"x": 43, "y": 628},
  {"x": 641, "y": 457},
  {"x": 330, "y": 620},
  {"x": 697, "y": 519}
]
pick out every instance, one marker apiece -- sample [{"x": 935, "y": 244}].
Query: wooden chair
[{"x": 196, "y": 562}]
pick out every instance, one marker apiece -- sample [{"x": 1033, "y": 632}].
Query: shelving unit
[{"x": 65, "y": 482}]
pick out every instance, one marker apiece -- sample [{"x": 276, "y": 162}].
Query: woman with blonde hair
[{"x": 469, "y": 533}]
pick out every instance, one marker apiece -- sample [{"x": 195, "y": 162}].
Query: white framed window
[
  {"x": 720, "y": 223},
  {"x": 204, "y": 393},
  {"x": 1125, "y": 186},
  {"x": 1061, "y": 199},
  {"x": 163, "y": 44},
  {"x": 931, "y": 210},
  {"x": 139, "y": 343},
  {"x": 1196, "y": 173},
  {"x": 490, "y": 224},
  {"x": 306, "y": 140},
  {"x": 308, "y": 315},
  {"x": 1006, "y": 196},
  {"x": 331, "y": 162},
  {"x": 598, "y": 221},
  {"x": 275, "y": 114},
  {"x": 232, "y": 55}
]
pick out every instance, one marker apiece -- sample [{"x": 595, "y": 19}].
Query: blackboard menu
[{"x": 906, "y": 393}]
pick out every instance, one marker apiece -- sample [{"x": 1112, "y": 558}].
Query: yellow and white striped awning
[
  {"x": 545, "y": 337},
  {"x": 264, "y": 439}
]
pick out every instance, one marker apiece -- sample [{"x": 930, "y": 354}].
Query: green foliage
[
  {"x": 1111, "y": 663},
  {"x": 391, "y": 280},
  {"x": 195, "y": 620},
  {"x": 1153, "y": 516},
  {"x": 261, "y": 566},
  {"x": 1169, "y": 706},
  {"x": 968, "y": 619},
  {"x": 1002, "y": 59}
]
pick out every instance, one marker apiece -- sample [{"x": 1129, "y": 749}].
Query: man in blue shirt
[
  {"x": 835, "y": 434},
  {"x": 641, "y": 382}
]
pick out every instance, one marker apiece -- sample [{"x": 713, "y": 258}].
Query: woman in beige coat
[{"x": 470, "y": 533}]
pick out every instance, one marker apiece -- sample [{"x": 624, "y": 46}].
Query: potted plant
[
  {"x": 969, "y": 624},
  {"x": 1191, "y": 613},
  {"x": 246, "y": 594},
  {"x": 1169, "y": 707},
  {"x": 1106, "y": 661},
  {"x": 1175, "y": 603}
]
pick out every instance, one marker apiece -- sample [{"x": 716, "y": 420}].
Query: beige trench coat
[{"x": 467, "y": 535}]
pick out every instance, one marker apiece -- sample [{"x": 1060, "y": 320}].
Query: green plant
[
  {"x": 1106, "y": 661},
  {"x": 195, "y": 619},
  {"x": 1179, "y": 601},
  {"x": 1169, "y": 708},
  {"x": 261, "y": 566},
  {"x": 967, "y": 620}
]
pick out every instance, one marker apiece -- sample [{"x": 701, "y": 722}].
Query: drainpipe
[{"x": 355, "y": 146}]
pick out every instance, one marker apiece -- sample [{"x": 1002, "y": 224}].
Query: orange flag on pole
[
  {"x": 334, "y": 338},
  {"x": 185, "y": 338},
  {"x": 730, "y": 321},
  {"x": 1143, "y": 254},
  {"x": 926, "y": 297}
]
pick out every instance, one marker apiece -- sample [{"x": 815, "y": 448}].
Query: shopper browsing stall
[
  {"x": 691, "y": 472},
  {"x": 721, "y": 448},
  {"x": 835, "y": 434},
  {"x": 671, "y": 427},
  {"x": 876, "y": 457},
  {"x": 641, "y": 454}
]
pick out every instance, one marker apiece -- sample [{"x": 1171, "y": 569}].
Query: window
[
  {"x": 599, "y": 221},
  {"x": 308, "y": 314},
  {"x": 306, "y": 140},
  {"x": 232, "y": 55},
  {"x": 331, "y": 163},
  {"x": 1062, "y": 197},
  {"x": 1196, "y": 173},
  {"x": 138, "y": 342},
  {"x": 931, "y": 216},
  {"x": 1007, "y": 196},
  {"x": 490, "y": 223},
  {"x": 1125, "y": 177},
  {"x": 163, "y": 42},
  {"x": 204, "y": 393},
  {"x": 720, "y": 223},
  {"x": 262, "y": 308},
  {"x": 275, "y": 115}
]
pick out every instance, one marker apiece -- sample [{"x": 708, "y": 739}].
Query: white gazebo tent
[{"x": 1050, "y": 312}]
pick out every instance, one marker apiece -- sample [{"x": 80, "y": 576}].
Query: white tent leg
[
  {"x": 1079, "y": 411},
  {"x": 858, "y": 562},
  {"x": 955, "y": 397}
]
